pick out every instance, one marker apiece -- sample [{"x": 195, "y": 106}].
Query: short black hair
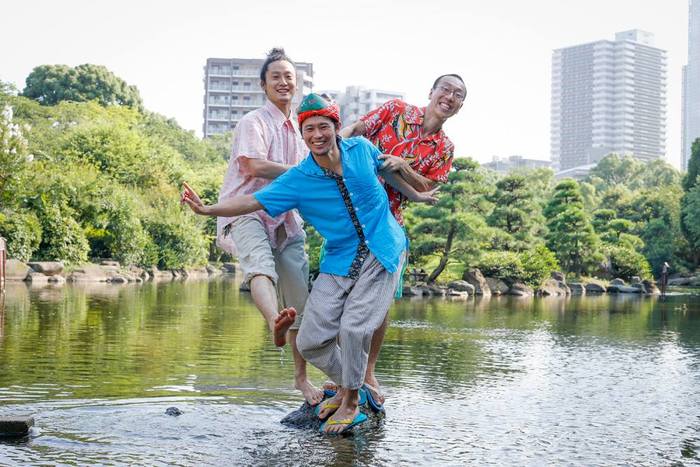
[
  {"x": 453, "y": 75},
  {"x": 274, "y": 55}
]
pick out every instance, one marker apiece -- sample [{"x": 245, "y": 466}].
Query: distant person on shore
[
  {"x": 270, "y": 249},
  {"x": 337, "y": 191},
  {"x": 413, "y": 145}
]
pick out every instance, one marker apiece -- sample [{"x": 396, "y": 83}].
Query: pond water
[{"x": 578, "y": 381}]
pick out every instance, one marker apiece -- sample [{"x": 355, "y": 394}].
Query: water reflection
[{"x": 593, "y": 380}]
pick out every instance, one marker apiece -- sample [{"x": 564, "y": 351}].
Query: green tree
[
  {"x": 571, "y": 236},
  {"x": 691, "y": 177},
  {"x": 454, "y": 227},
  {"x": 690, "y": 219},
  {"x": 515, "y": 211},
  {"x": 51, "y": 84},
  {"x": 691, "y": 222}
]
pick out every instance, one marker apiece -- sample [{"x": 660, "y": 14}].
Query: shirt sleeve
[
  {"x": 377, "y": 118},
  {"x": 250, "y": 140},
  {"x": 281, "y": 195}
]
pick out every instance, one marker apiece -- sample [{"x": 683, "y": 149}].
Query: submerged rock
[
  {"x": 303, "y": 418},
  {"x": 173, "y": 411}
]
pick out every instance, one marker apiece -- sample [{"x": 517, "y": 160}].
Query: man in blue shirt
[{"x": 337, "y": 191}]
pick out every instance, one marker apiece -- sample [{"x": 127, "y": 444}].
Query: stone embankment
[
  {"x": 474, "y": 283},
  {"x": 54, "y": 272}
]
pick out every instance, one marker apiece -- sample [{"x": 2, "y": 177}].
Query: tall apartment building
[
  {"x": 232, "y": 89},
  {"x": 691, "y": 85},
  {"x": 608, "y": 97},
  {"x": 358, "y": 100}
]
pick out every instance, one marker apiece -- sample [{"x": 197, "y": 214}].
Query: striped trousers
[{"x": 349, "y": 309}]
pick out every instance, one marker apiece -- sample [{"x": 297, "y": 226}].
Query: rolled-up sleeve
[{"x": 282, "y": 194}]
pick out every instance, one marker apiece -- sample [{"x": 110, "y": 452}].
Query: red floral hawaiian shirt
[{"x": 395, "y": 128}]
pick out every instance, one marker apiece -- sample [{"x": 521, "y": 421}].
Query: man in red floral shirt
[{"x": 412, "y": 143}]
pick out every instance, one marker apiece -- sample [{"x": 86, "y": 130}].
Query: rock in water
[
  {"x": 303, "y": 417},
  {"x": 173, "y": 411},
  {"x": 16, "y": 426}
]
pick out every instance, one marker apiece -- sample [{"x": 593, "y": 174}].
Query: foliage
[
  {"x": 63, "y": 237},
  {"x": 453, "y": 227},
  {"x": 691, "y": 177},
  {"x": 571, "y": 236},
  {"x": 51, "y": 84},
  {"x": 13, "y": 155},
  {"x": 513, "y": 211},
  {"x": 626, "y": 263},
  {"x": 538, "y": 265},
  {"x": 504, "y": 265},
  {"x": 313, "y": 249},
  {"x": 22, "y": 232}
]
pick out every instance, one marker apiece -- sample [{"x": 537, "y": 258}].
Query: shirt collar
[
  {"x": 415, "y": 116},
  {"x": 310, "y": 167},
  {"x": 277, "y": 115}
]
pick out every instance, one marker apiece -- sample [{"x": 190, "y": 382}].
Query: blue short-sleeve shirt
[{"x": 318, "y": 199}]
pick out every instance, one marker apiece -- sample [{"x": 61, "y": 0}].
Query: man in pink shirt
[{"x": 270, "y": 250}]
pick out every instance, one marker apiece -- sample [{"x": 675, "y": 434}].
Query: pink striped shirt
[{"x": 264, "y": 133}]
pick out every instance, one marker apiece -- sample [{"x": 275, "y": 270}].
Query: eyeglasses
[{"x": 457, "y": 93}]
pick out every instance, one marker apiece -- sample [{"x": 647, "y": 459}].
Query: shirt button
[
  {"x": 363, "y": 226},
  {"x": 367, "y": 242},
  {"x": 351, "y": 193}
]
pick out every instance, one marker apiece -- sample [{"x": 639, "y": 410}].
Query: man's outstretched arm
[
  {"x": 401, "y": 166},
  {"x": 236, "y": 206},
  {"x": 356, "y": 129},
  {"x": 262, "y": 168},
  {"x": 398, "y": 182}
]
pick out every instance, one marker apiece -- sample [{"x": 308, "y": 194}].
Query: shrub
[
  {"x": 22, "y": 232},
  {"x": 504, "y": 265},
  {"x": 62, "y": 237},
  {"x": 176, "y": 243},
  {"x": 538, "y": 264},
  {"x": 626, "y": 263}
]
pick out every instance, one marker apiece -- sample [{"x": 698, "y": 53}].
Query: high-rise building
[
  {"x": 608, "y": 97},
  {"x": 357, "y": 101},
  {"x": 691, "y": 85},
  {"x": 232, "y": 89}
]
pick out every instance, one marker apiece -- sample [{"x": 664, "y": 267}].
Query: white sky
[{"x": 502, "y": 48}]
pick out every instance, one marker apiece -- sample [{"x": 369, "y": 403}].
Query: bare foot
[
  {"x": 312, "y": 394},
  {"x": 283, "y": 322},
  {"x": 373, "y": 387},
  {"x": 330, "y": 405},
  {"x": 342, "y": 417}
]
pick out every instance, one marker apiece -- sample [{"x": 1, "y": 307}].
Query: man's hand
[
  {"x": 393, "y": 163},
  {"x": 428, "y": 197},
  {"x": 191, "y": 198}
]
